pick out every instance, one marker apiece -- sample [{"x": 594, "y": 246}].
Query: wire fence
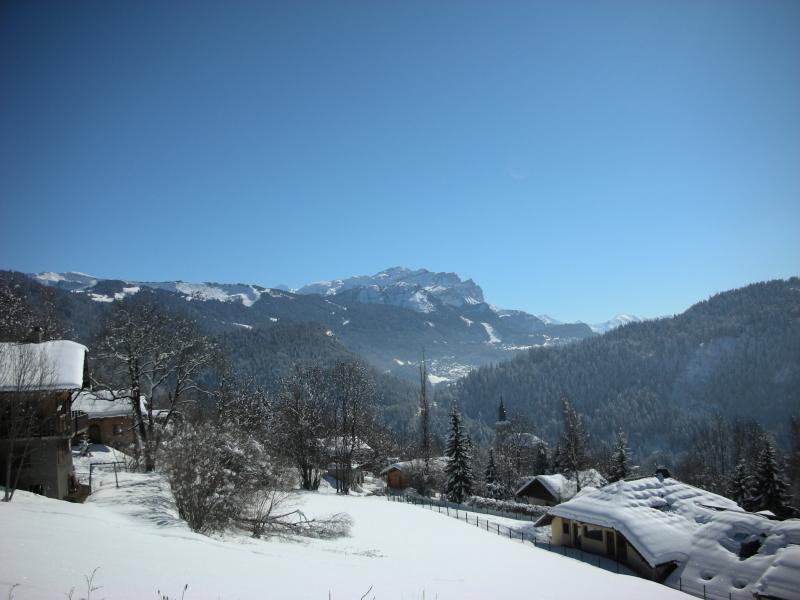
[
  {"x": 516, "y": 515},
  {"x": 471, "y": 515}
]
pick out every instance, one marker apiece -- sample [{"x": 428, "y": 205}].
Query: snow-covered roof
[
  {"x": 104, "y": 403},
  {"x": 782, "y": 578},
  {"x": 657, "y": 516},
  {"x": 358, "y": 445},
  {"x": 55, "y": 365},
  {"x": 564, "y": 488}
]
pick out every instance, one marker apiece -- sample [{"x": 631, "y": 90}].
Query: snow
[
  {"x": 136, "y": 541},
  {"x": 243, "y": 325},
  {"x": 96, "y": 454},
  {"x": 419, "y": 302},
  {"x": 713, "y": 558},
  {"x": 204, "y": 291},
  {"x": 493, "y": 339},
  {"x": 102, "y": 404},
  {"x": 50, "y": 276},
  {"x": 399, "y": 362},
  {"x": 126, "y": 291},
  {"x": 274, "y": 319},
  {"x": 616, "y": 321},
  {"x": 467, "y": 321},
  {"x": 55, "y": 365},
  {"x": 101, "y": 298},
  {"x": 434, "y": 379},
  {"x": 782, "y": 579},
  {"x": 548, "y": 320}
]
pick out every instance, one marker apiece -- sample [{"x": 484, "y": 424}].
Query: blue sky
[{"x": 574, "y": 158}]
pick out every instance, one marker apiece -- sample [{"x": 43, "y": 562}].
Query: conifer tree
[
  {"x": 620, "y": 459},
  {"x": 770, "y": 490},
  {"x": 501, "y": 412},
  {"x": 458, "y": 470},
  {"x": 424, "y": 413},
  {"x": 574, "y": 443},
  {"x": 494, "y": 488},
  {"x": 740, "y": 485}
]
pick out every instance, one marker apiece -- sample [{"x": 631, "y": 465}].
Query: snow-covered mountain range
[
  {"x": 386, "y": 318},
  {"x": 420, "y": 290}
]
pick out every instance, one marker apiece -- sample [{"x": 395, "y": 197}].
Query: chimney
[{"x": 662, "y": 473}]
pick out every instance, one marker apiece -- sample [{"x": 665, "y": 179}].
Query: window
[
  {"x": 117, "y": 429},
  {"x": 565, "y": 527},
  {"x": 593, "y": 533}
]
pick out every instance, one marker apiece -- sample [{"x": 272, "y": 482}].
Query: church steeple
[{"x": 501, "y": 412}]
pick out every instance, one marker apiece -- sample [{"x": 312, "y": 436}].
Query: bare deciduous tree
[
  {"x": 25, "y": 373},
  {"x": 144, "y": 351},
  {"x": 302, "y": 422},
  {"x": 352, "y": 418}
]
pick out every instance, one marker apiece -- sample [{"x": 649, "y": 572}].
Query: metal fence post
[{"x": 116, "y": 479}]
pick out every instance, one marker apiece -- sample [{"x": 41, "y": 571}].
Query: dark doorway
[
  {"x": 622, "y": 549},
  {"x": 610, "y": 549}
]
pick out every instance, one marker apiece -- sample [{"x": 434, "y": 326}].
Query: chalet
[
  {"x": 361, "y": 457},
  {"x": 549, "y": 490},
  {"x": 110, "y": 416},
  {"x": 37, "y": 384},
  {"x": 667, "y": 530},
  {"x": 401, "y": 475}
]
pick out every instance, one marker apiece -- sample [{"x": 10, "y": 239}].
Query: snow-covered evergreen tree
[
  {"x": 458, "y": 470},
  {"x": 770, "y": 489},
  {"x": 494, "y": 487},
  {"x": 740, "y": 485},
  {"x": 620, "y": 459}
]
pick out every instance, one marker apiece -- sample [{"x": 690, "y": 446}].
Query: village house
[
  {"x": 361, "y": 458},
  {"x": 110, "y": 416},
  {"x": 664, "y": 529},
  {"x": 401, "y": 475},
  {"x": 549, "y": 490},
  {"x": 37, "y": 423}
]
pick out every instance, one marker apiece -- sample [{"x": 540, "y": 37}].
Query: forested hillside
[
  {"x": 737, "y": 353},
  {"x": 267, "y": 353}
]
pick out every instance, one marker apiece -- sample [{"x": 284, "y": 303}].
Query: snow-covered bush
[
  {"x": 211, "y": 469},
  {"x": 505, "y": 506}
]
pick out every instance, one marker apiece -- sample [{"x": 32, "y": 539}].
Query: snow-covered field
[{"x": 137, "y": 543}]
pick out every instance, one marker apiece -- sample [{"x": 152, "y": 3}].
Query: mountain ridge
[{"x": 387, "y": 319}]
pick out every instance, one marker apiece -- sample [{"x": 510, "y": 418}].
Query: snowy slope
[
  {"x": 613, "y": 323},
  {"x": 134, "y": 538}
]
